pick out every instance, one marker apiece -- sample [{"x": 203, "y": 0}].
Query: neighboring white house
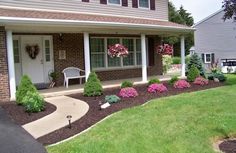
[{"x": 215, "y": 40}]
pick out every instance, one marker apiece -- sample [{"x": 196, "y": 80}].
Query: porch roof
[{"x": 20, "y": 16}]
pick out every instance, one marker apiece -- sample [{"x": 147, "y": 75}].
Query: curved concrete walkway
[{"x": 65, "y": 106}]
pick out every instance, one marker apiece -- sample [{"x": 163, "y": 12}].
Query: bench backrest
[{"x": 72, "y": 72}]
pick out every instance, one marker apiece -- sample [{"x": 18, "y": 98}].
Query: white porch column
[
  {"x": 182, "y": 56},
  {"x": 86, "y": 54},
  {"x": 11, "y": 66},
  {"x": 144, "y": 58}
]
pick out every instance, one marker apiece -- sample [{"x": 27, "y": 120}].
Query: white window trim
[
  {"x": 107, "y": 68},
  {"x": 113, "y": 4},
  {"x": 145, "y": 8},
  {"x": 205, "y": 59}
]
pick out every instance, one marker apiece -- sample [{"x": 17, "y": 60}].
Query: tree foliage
[
  {"x": 180, "y": 16},
  {"x": 229, "y": 9}
]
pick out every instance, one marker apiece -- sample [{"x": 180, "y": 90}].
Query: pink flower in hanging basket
[
  {"x": 165, "y": 49},
  {"x": 117, "y": 50}
]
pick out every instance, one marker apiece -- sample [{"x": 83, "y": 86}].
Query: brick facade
[
  {"x": 73, "y": 44},
  {"x": 4, "y": 81}
]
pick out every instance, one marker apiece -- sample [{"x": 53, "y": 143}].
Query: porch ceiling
[{"x": 41, "y": 21}]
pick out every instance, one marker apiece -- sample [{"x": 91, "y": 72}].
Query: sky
[{"x": 199, "y": 9}]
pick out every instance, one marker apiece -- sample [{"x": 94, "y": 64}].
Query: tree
[
  {"x": 229, "y": 9},
  {"x": 180, "y": 16}
]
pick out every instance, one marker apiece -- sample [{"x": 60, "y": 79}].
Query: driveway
[{"x": 14, "y": 139}]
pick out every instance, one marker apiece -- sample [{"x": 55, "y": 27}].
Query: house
[
  {"x": 215, "y": 41},
  {"x": 41, "y": 36}
]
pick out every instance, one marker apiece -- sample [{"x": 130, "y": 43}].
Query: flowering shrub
[
  {"x": 180, "y": 84},
  {"x": 165, "y": 49},
  {"x": 128, "y": 92},
  {"x": 153, "y": 88},
  {"x": 117, "y": 50},
  {"x": 200, "y": 81}
]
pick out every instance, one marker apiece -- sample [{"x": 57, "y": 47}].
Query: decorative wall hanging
[
  {"x": 117, "y": 50},
  {"x": 32, "y": 50},
  {"x": 164, "y": 49},
  {"x": 62, "y": 54}
]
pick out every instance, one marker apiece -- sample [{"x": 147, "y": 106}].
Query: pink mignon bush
[
  {"x": 153, "y": 88},
  {"x": 181, "y": 84},
  {"x": 128, "y": 92},
  {"x": 200, "y": 81}
]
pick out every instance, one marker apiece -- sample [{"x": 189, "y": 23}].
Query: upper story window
[
  {"x": 114, "y": 2},
  {"x": 143, "y": 3}
]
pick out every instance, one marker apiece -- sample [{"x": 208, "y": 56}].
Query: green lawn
[{"x": 187, "y": 123}]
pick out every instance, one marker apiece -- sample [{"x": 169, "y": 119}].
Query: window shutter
[
  {"x": 103, "y": 1},
  {"x": 85, "y": 0},
  {"x": 125, "y": 3},
  {"x": 135, "y": 3},
  {"x": 151, "y": 52},
  {"x": 203, "y": 58},
  {"x": 212, "y": 58},
  {"x": 152, "y": 4}
]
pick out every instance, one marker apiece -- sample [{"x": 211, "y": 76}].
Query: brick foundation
[{"x": 4, "y": 81}]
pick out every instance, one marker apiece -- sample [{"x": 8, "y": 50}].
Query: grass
[{"x": 187, "y": 123}]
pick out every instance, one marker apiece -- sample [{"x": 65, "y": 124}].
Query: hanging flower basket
[
  {"x": 165, "y": 49},
  {"x": 117, "y": 50}
]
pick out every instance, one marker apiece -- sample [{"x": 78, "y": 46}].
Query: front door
[{"x": 32, "y": 58}]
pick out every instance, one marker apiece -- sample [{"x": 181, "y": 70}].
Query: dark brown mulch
[
  {"x": 94, "y": 114},
  {"x": 18, "y": 114},
  {"x": 228, "y": 146}
]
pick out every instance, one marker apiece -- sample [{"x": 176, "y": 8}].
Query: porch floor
[{"x": 78, "y": 88}]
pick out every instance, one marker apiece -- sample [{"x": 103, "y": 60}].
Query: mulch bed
[
  {"x": 94, "y": 114},
  {"x": 18, "y": 114},
  {"x": 228, "y": 146}
]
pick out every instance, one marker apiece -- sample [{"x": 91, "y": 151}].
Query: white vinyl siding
[
  {"x": 100, "y": 60},
  {"x": 93, "y": 6}
]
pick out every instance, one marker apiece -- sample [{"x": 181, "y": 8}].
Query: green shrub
[
  {"x": 176, "y": 60},
  {"x": 33, "y": 102},
  {"x": 197, "y": 62},
  {"x": 126, "y": 84},
  {"x": 193, "y": 73},
  {"x": 173, "y": 80},
  {"x": 93, "y": 86},
  {"x": 112, "y": 99},
  {"x": 220, "y": 76},
  {"x": 187, "y": 59},
  {"x": 24, "y": 86},
  {"x": 166, "y": 60},
  {"x": 152, "y": 81}
]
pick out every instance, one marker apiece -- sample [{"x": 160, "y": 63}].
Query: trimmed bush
[
  {"x": 24, "y": 86},
  {"x": 112, "y": 99},
  {"x": 176, "y": 60},
  {"x": 153, "y": 81},
  {"x": 154, "y": 88},
  {"x": 126, "y": 84},
  {"x": 128, "y": 92},
  {"x": 181, "y": 84},
  {"x": 197, "y": 62},
  {"x": 93, "y": 86},
  {"x": 220, "y": 76},
  {"x": 201, "y": 81},
  {"x": 173, "y": 80},
  {"x": 33, "y": 102},
  {"x": 193, "y": 73}
]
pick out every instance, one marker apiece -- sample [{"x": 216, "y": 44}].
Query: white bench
[{"x": 72, "y": 73}]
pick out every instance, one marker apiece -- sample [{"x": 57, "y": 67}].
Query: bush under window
[{"x": 93, "y": 86}]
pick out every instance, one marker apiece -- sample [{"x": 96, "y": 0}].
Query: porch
[{"x": 78, "y": 88}]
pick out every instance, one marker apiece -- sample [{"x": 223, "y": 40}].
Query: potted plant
[{"x": 53, "y": 77}]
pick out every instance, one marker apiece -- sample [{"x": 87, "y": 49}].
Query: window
[
  {"x": 208, "y": 58},
  {"x": 16, "y": 51},
  {"x": 97, "y": 52},
  {"x": 144, "y": 3},
  {"x": 113, "y": 62},
  {"x": 114, "y": 1},
  {"x": 47, "y": 51},
  {"x": 100, "y": 59}
]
